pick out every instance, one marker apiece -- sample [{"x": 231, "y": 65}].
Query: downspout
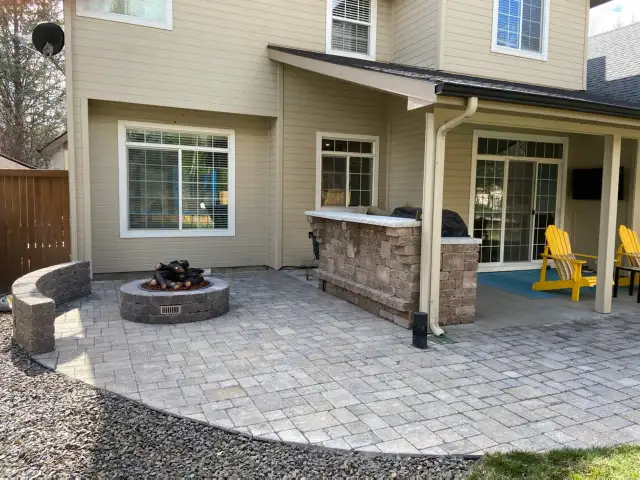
[{"x": 436, "y": 227}]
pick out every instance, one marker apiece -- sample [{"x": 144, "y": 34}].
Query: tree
[{"x": 32, "y": 89}]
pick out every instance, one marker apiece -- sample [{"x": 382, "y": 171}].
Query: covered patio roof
[{"x": 455, "y": 85}]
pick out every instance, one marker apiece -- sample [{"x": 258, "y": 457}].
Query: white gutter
[{"x": 434, "y": 243}]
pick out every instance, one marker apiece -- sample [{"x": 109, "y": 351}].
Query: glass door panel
[
  {"x": 519, "y": 205},
  {"x": 487, "y": 222},
  {"x": 546, "y": 203}
]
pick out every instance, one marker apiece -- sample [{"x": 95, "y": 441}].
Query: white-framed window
[
  {"x": 351, "y": 28},
  {"x": 175, "y": 181},
  {"x": 521, "y": 27},
  {"x": 346, "y": 170},
  {"x": 147, "y": 13}
]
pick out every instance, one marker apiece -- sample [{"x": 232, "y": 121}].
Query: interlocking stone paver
[
  {"x": 314, "y": 421},
  {"x": 281, "y": 424},
  {"x": 419, "y": 435},
  {"x": 292, "y": 435},
  {"x": 290, "y": 362}
]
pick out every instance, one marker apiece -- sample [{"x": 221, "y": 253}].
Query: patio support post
[
  {"x": 634, "y": 194},
  {"x": 608, "y": 222},
  {"x": 432, "y": 198}
]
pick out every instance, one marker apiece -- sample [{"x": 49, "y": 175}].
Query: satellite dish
[{"x": 48, "y": 38}]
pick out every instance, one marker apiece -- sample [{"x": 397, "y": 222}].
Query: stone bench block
[{"x": 35, "y": 297}]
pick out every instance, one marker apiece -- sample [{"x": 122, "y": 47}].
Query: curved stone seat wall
[{"x": 35, "y": 296}]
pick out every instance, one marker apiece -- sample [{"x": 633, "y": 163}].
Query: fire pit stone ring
[{"x": 169, "y": 307}]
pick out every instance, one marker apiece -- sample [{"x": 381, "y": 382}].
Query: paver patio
[{"x": 292, "y": 363}]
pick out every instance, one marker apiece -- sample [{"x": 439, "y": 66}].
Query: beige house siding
[
  {"x": 468, "y": 35},
  {"x": 415, "y": 33},
  {"x": 313, "y": 103},
  {"x": 406, "y": 161},
  {"x": 114, "y": 254},
  {"x": 457, "y": 171},
  {"x": 215, "y": 58}
]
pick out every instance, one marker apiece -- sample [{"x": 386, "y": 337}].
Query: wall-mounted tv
[{"x": 586, "y": 184}]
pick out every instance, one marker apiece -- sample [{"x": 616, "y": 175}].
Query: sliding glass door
[{"x": 514, "y": 200}]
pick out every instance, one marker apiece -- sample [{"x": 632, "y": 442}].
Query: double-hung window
[
  {"x": 346, "y": 171},
  {"x": 520, "y": 27},
  {"x": 175, "y": 182},
  {"x": 351, "y": 28},
  {"x": 148, "y": 13}
]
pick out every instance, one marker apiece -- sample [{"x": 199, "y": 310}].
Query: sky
[{"x": 612, "y": 15}]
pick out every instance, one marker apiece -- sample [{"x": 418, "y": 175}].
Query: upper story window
[
  {"x": 148, "y": 13},
  {"x": 521, "y": 27},
  {"x": 351, "y": 28}
]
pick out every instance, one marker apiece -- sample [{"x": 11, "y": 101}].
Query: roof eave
[
  {"x": 456, "y": 90},
  {"x": 419, "y": 92}
]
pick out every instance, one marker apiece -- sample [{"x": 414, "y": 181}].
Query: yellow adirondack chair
[
  {"x": 629, "y": 247},
  {"x": 568, "y": 266}
]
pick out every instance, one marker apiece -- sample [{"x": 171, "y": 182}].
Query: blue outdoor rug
[{"x": 520, "y": 282}]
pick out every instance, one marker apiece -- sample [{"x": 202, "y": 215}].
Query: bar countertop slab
[{"x": 390, "y": 222}]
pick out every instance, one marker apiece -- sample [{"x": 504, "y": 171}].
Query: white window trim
[
  {"x": 561, "y": 191},
  {"x": 123, "y": 170},
  {"x": 345, "y": 136},
  {"x": 544, "y": 37},
  {"x": 81, "y": 11},
  {"x": 372, "y": 33}
]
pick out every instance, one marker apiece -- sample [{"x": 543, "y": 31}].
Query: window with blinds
[
  {"x": 519, "y": 26},
  {"x": 351, "y": 27},
  {"x": 150, "y": 13},
  {"x": 178, "y": 183}
]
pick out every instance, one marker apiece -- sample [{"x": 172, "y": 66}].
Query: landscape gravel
[{"x": 54, "y": 426}]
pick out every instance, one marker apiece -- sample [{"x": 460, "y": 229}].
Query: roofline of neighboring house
[
  {"x": 17, "y": 161},
  {"x": 55, "y": 143},
  {"x": 584, "y": 106},
  {"x": 615, "y": 30}
]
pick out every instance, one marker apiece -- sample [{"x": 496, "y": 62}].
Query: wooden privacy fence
[{"x": 34, "y": 222}]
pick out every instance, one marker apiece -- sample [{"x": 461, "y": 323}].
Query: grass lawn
[{"x": 608, "y": 463}]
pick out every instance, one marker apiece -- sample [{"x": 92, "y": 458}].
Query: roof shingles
[
  {"x": 464, "y": 85},
  {"x": 614, "y": 64}
]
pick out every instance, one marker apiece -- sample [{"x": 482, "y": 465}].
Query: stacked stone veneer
[
  {"x": 374, "y": 267},
  {"x": 35, "y": 297},
  {"x": 378, "y": 269},
  {"x": 144, "y": 306},
  {"x": 458, "y": 281}
]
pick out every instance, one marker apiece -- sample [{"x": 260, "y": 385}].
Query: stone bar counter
[{"x": 374, "y": 262}]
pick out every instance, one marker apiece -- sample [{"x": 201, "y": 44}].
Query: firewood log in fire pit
[{"x": 176, "y": 274}]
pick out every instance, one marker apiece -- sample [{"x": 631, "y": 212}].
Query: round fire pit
[{"x": 173, "y": 306}]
